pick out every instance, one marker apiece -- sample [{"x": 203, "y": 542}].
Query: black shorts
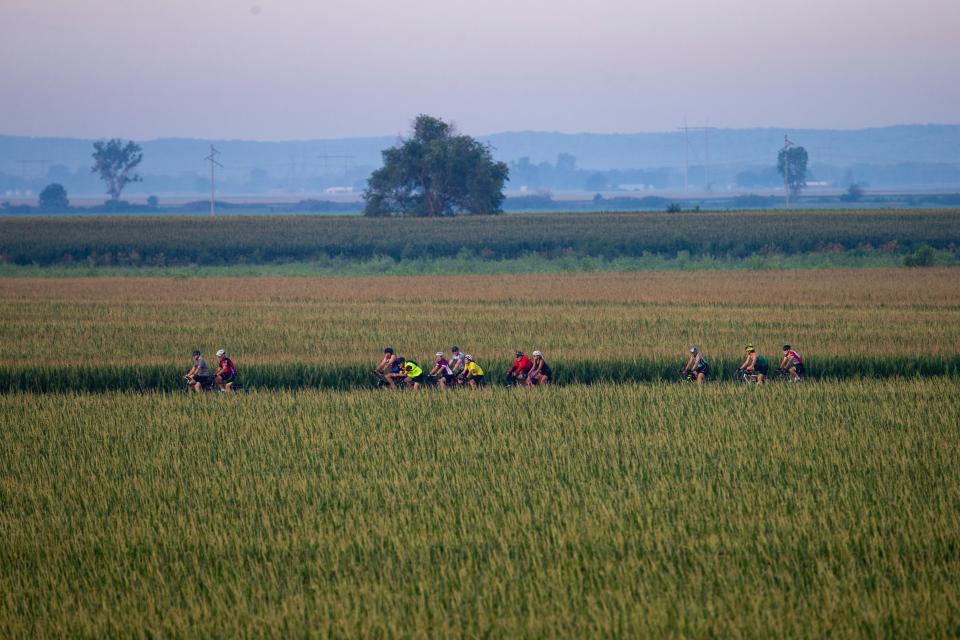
[
  {"x": 762, "y": 369},
  {"x": 420, "y": 379},
  {"x": 799, "y": 368},
  {"x": 228, "y": 376},
  {"x": 477, "y": 379},
  {"x": 204, "y": 381},
  {"x": 546, "y": 372}
]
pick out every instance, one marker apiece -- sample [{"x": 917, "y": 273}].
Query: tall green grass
[
  {"x": 109, "y": 377},
  {"x": 584, "y": 511}
]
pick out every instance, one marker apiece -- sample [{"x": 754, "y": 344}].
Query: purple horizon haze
[{"x": 298, "y": 69}]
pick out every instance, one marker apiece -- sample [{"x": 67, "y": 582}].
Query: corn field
[
  {"x": 580, "y": 511},
  {"x": 168, "y": 240},
  {"x": 137, "y": 333}
]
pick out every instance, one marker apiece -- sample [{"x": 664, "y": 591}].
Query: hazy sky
[{"x": 293, "y": 69}]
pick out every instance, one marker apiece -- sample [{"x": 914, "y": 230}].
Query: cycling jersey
[
  {"x": 445, "y": 369},
  {"x": 227, "y": 366},
  {"x": 521, "y": 365},
  {"x": 203, "y": 370},
  {"x": 473, "y": 368},
  {"x": 457, "y": 361},
  {"x": 794, "y": 357},
  {"x": 412, "y": 369},
  {"x": 701, "y": 364},
  {"x": 760, "y": 365}
]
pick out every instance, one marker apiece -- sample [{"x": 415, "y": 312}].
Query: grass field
[
  {"x": 829, "y": 508},
  {"x": 606, "y": 511},
  {"x": 327, "y": 332}
]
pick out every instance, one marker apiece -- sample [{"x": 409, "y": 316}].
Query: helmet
[
  {"x": 196, "y": 352},
  {"x": 694, "y": 349},
  {"x": 787, "y": 347},
  {"x": 750, "y": 348},
  {"x": 388, "y": 350},
  {"x": 221, "y": 353},
  {"x": 469, "y": 357},
  {"x": 519, "y": 353},
  {"x": 439, "y": 354},
  {"x": 537, "y": 353}
]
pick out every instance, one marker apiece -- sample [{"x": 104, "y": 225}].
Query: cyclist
[
  {"x": 697, "y": 365},
  {"x": 199, "y": 375},
  {"x": 541, "y": 372},
  {"x": 519, "y": 369},
  {"x": 442, "y": 372},
  {"x": 226, "y": 374},
  {"x": 755, "y": 363},
  {"x": 473, "y": 374},
  {"x": 792, "y": 362},
  {"x": 389, "y": 367},
  {"x": 413, "y": 372},
  {"x": 457, "y": 363}
]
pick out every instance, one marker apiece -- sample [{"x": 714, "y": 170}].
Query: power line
[{"x": 212, "y": 159}]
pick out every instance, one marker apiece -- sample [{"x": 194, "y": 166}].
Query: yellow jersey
[
  {"x": 413, "y": 369},
  {"x": 473, "y": 369}
]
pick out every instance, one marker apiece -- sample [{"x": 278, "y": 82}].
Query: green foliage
[
  {"x": 576, "y": 371},
  {"x": 854, "y": 193},
  {"x": 242, "y": 240},
  {"x": 793, "y": 160},
  {"x": 115, "y": 162},
  {"x": 54, "y": 198},
  {"x": 922, "y": 257},
  {"x": 674, "y": 207},
  {"x": 436, "y": 172},
  {"x": 812, "y": 510}
]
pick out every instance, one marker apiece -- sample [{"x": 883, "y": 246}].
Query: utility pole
[
  {"x": 786, "y": 169},
  {"x": 212, "y": 159}
]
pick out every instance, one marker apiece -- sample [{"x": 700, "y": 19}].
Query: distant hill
[{"x": 907, "y": 154}]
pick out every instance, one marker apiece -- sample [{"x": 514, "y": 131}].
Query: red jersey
[
  {"x": 227, "y": 365},
  {"x": 521, "y": 365},
  {"x": 794, "y": 357}
]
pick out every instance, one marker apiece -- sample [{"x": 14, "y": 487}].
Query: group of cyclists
[
  {"x": 224, "y": 378},
  {"x": 461, "y": 369},
  {"x": 755, "y": 367}
]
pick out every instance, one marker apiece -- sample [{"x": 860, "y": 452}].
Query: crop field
[
  {"x": 331, "y": 240},
  {"x": 613, "y": 504},
  {"x": 813, "y": 510},
  {"x": 98, "y": 333}
]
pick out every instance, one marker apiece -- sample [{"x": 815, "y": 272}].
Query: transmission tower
[
  {"x": 706, "y": 128},
  {"x": 212, "y": 159}
]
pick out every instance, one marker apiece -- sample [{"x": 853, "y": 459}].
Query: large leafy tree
[
  {"x": 794, "y": 161},
  {"x": 54, "y": 198},
  {"x": 116, "y": 163},
  {"x": 436, "y": 172}
]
